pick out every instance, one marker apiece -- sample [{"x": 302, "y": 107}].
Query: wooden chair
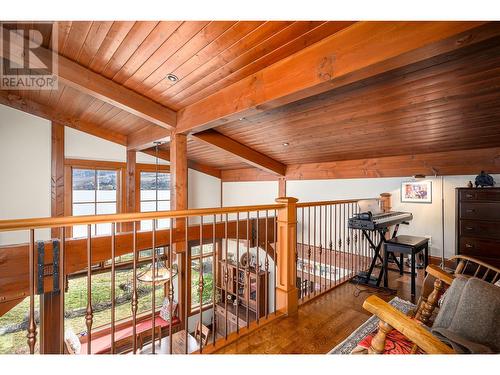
[
  {"x": 411, "y": 326},
  {"x": 201, "y": 333}
]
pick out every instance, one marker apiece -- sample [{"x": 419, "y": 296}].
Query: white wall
[
  {"x": 25, "y": 143},
  {"x": 249, "y": 193},
  {"x": 204, "y": 191},
  {"x": 80, "y": 145}
]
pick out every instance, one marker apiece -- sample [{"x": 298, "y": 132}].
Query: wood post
[
  {"x": 286, "y": 290},
  {"x": 385, "y": 202},
  {"x": 57, "y": 173},
  {"x": 50, "y": 302},
  {"x": 179, "y": 201},
  {"x": 282, "y": 187},
  {"x": 131, "y": 187},
  {"x": 385, "y": 205}
]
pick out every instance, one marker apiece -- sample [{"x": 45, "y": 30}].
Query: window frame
[
  {"x": 96, "y": 165},
  {"x": 151, "y": 168}
]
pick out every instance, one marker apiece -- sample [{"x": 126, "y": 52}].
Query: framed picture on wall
[{"x": 416, "y": 192}]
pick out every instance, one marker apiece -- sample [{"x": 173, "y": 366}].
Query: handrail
[
  {"x": 325, "y": 203},
  {"x": 64, "y": 221}
]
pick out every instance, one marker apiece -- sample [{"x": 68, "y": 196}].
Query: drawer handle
[
  {"x": 469, "y": 210},
  {"x": 469, "y": 228},
  {"x": 469, "y": 246},
  {"x": 468, "y": 195}
]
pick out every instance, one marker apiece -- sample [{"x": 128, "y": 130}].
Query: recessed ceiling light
[
  {"x": 172, "y": 77},
  {"x": 241, "y": 118},
  {"x": 286, "y": 144}
]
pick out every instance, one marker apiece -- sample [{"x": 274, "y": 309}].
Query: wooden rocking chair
[{"x": 436, "y": 281}]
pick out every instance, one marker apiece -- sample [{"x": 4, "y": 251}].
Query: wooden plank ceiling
[
  {"x": 446, "y": 102},
  {"x": 450, "y": 102}
]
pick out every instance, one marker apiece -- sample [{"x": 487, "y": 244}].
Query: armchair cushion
[{"x": 470, "y": 316}]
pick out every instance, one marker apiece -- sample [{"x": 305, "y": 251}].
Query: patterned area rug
[{"x": 346, "y": 346}]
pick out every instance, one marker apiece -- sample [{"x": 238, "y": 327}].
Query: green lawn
[{"x": 76, "y": 298}]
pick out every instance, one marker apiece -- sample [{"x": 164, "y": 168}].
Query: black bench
[{"x": 410, "y": 245}]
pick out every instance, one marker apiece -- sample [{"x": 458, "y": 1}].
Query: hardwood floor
[{"x": 321, "y": 323}]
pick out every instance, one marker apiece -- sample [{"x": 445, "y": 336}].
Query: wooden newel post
[
  {"x": 385, "y": 206},
  {"x": 385, "y": 202},
  {"x": 286, "y": 289}
]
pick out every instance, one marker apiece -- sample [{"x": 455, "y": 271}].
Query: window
[
  {"x": 202, "y": 262},
  {"x": 76, "y": 298},
  {"x": 155, "y": 198},
  {"x": 94, "y": 193}
]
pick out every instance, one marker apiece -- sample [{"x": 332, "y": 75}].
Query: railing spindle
[
  {"x": 187, "y": 285},
  {"x": 330, "y": 261},
  {"x": 153, "y": 281},
  {"x": 247, "y": 271},
  {"x": 308, "y": 286},
  {"x": 113, "y": 244},
  {"x": 303, "y": 258},
  {"x": 237, "y": 272},
  {"x": 335, "y": 245},
  {"x": 320, "y": 248},
  {"x": 214, "y": 283},
  {"x": 89, "y": 315},
  {"x": 62, "y": 285},
  {"x": 226, "y": 277},
  {"x": 171, "y": 286},
  {"x": 266, "y": 268},
  {"x": 31, "y": 336},
  {"x": 201, "y": 282},
  {"x": 134, "y": 304},
  {"x": 257, "y": 272},
  {"x": 314, "y": 248},
  {"x": 275, "y": 225}
]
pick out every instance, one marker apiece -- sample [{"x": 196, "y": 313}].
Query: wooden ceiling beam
[
  {"x": 144, "y": 138},
  {"x": 203, "y": 168},
  {"x": 102, "y": 88},
  {"x": 241, "y": 151},
  {"x": 15, "y": 101},
  {"x": 461, "y": 162},
  {"x": 360, "y": 51}
]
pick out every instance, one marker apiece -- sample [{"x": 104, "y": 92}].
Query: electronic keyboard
[{"x": 369, "y": 221}]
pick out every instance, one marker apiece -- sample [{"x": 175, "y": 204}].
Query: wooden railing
[
  {"x": 241, "y": 268},
  {"x": 238, "y": 268},
  {"x": 328, "y": 252}
]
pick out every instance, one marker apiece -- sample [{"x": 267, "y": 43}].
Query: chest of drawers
[{"x": 478, "y": 223}]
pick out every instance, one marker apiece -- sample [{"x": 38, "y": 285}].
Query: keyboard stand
[{"x": 366, "y": 278}]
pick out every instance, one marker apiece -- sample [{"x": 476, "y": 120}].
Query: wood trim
[
  {"x": 203, "y": 168},
  {"x": 246, "y": 174},
  {"x": 241, "y": 151},
  {"x": 282, "y": 187},
  {"x": 179, "y": 201},
  {"x": 14, "y": 278},
  {"x": 461, "y": 162},
  {"x": 145, "y": 137},
  {"x": 50, "y": 303},
  {"x": 359, "y": 51},
  {"x": 57, "y": 173},
  {"x": 102, "y": 88},
  {"x": 94, "y": 164}
]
